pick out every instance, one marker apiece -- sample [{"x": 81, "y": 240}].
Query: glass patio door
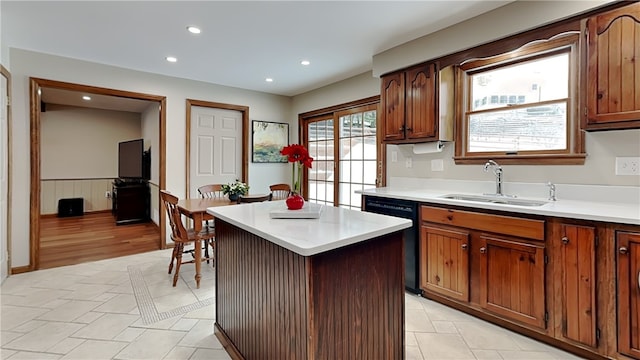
[{"x": 353, "y": 143}]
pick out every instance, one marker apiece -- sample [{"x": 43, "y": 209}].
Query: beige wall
[
  {"x": 82, "y": 143},
  {"x": 25, "y": 64},
  {"x": 92, "y": 191}
]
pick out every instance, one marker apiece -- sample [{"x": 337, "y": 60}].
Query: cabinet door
[
  {"x": 445, "y": 262},
  {"x": 577, "y": 272},
  {"x": 613, "y": 68},
  {"x": 512, "y": 279},
  {"x": 629, "y": 293},
  {"x": 392, "y": 98},
  {"x": 421, "y": 102}
]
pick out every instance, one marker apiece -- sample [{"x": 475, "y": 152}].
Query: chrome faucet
[{"x": 497, "y": 171}]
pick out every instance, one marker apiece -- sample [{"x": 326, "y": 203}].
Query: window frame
[{"x": 567, "y": 42}]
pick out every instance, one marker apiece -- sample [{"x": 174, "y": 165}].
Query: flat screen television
[{"x": 130, "y": 162}]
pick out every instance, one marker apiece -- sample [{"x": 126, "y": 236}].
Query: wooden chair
[
  {"x": 254, "y": 198},
  {"x": 280, "y": 191},
  {"x": 182, "y": 236},
  {"x": 211, "y": 191}
]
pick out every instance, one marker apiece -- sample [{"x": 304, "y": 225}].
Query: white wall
[
  {"x": 27, "y": 64},
  {"x": 151, "y": 135},
  {"x": 82, "y": 143}
]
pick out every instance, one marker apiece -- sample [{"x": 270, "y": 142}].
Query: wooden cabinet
[
  {"x": 613, "y": 69},
  {"x": 575, "y": 274},
  {"x": 628, "y": 294},
  {"x": 408, "y": 100},
  {"x": 494, "y": 262},
  {"x": 446, "y": 255},
  {"x": 130, "y": 202},
  {"x": 512, "y": 279}
]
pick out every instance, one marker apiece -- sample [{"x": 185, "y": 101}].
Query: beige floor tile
[
  {"x": 88, "y": 317},
  {"x": 160, "y": 325},
  {"x": 129, "y": 334},
  {"x": 417, "y": 320},
  {"x": 152, "y": 344},
  {"x": 95, "y": 350},
  {"x": 484, "y": 336},
  {"x": 210, "y": 354},
  {"x": 25, "y": 355},
  {"x": 207, "y": 312},
  {"x": 525, "y": 355},
  {"x": 201, "y": 336},
  {"x": 70, "y": 310},
  {"x": 29, "y": 326},
  {"x": 445, "y": 327},
  {"x": 14, "y": 316},
  {"x": 184, "y": 324},
  {"x": 120, "y": 303},
  {"x": 66, "y": 345},
  {"x": 412, "y": 352},
  {"x": 443, "y": 346},
  {"x": 88, "y": 292},
  {"x": 410, "y": 338},
  {"x": 106, "y": 327},
  {"x": 44, "y": 337},
  {"x": 8, "y": 336},
  {"x": 487, "y": 354},
  {"x": 180, "y": 353},
  {"x": 5, "y": 353}
]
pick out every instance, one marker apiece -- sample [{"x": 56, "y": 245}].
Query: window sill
[{"x": 555, "y": 159}]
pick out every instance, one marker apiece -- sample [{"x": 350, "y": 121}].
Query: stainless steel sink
[{"x": 494, "y": 199}]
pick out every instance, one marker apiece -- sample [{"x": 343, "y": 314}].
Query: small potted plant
[
  {"x": 299, "y": 157},
  {"x": 235, "y": 189}
]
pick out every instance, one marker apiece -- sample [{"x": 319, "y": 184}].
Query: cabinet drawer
[{"x": 507, "y": 225}]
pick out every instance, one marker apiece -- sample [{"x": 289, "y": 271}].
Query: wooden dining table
[{"x": 196, "y": 209}]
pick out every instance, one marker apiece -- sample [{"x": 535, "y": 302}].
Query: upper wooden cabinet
[
  {"x": 613, "y": 69},
  {"x": 409, "y": 112}
]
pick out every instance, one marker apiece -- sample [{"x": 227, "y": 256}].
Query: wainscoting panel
[{"x": 91, "y": 190}]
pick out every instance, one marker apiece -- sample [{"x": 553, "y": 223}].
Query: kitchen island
[{"x": 323, "y": 288}]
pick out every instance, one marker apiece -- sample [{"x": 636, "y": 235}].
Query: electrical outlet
[
  {"x": 107, "y": 194},
  {"x": 408, "y": 162},
  {"x": 628, "y": 166}
]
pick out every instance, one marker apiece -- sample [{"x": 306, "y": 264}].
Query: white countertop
[
  {"x": 336, "y": 227},
  {"x": 617, "y": 204}
]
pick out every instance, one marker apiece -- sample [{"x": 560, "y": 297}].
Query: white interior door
[
  {"x": 4, "y": 175},
  {"x": 215, "y": 147}
]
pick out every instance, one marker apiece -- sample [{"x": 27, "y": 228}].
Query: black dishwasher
[{"x": 405, "y": 209}]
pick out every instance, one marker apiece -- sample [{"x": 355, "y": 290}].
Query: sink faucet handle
[{"x": 552, "y": 191}]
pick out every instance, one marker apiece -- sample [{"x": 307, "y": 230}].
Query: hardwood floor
[{"x": 93, "y": 236}]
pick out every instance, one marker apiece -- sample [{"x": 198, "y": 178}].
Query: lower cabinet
[
  {"x": 628, "y": 260},
  {"x": 575, "y": 272},
  {"x": 446, "y": 255},
  {"x": 512, "y": 279}
]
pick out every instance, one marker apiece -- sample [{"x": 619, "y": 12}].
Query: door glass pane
[{"x": 356, "y": 168}]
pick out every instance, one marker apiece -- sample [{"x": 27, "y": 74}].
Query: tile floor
[{"x": 125, "y": 308}]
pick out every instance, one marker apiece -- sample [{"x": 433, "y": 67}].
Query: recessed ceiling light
[
  {"x": 193, "y": 29},
  {"x": 171, "y": 59},
  {"x": 305, "y": 62},
  {"x": 268, "y": 80},
  {"x": 86, "y": 98}
]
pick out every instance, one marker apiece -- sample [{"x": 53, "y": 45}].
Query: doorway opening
[{"x": 37, "y": 86}]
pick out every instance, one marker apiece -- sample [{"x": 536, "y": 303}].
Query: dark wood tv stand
[{"x": 130, "y": 201}]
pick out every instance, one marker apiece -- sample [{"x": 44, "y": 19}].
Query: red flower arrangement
[{"x": 299, "y": 156}]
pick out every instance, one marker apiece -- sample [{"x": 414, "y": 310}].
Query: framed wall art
[{"x": 267, "y": 141}]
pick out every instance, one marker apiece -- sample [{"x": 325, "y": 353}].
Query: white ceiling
[{"x": 242, "y": 42}]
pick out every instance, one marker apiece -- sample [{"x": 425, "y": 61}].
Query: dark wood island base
[{"x": 272, "y": 303}]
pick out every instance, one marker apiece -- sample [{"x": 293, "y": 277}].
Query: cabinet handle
[
  {"x": 401, "y": 128},
  {"x": 483, "y": 250},
  {"x": 409, "y": 129},
  {"x": 638, "y": 279},
  {"x": 624, "y": 251},
  {"x": 565, "y": 240},
  {"x": 465, "y": 246}
]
